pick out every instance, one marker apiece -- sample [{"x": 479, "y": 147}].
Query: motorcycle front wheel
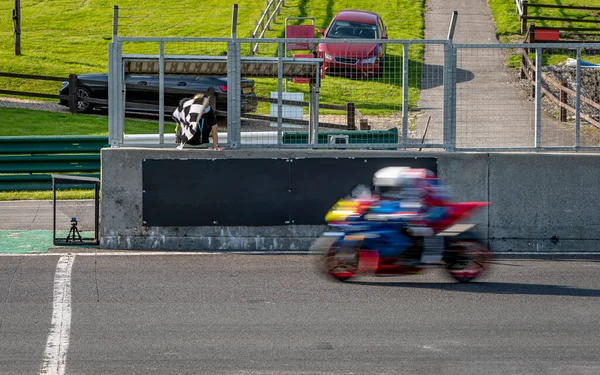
[
  {"x": 332, "y": 261},
  {"x": 467, "y": 259}
]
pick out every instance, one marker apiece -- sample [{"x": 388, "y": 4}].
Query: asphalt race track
[{"x": 256, "y": 314}]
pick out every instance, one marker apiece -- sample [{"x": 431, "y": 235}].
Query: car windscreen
[{"x": 347, "y": 29}]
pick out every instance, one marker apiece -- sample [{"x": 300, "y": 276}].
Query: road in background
[{"x": 252, "y": 314}]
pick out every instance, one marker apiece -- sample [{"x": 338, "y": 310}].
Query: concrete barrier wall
[{"x": 539, "y": 202}]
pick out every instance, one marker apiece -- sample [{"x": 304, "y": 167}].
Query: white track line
[
  {"x": 192, "y": 253},
  {"x": 159, "y": 253},
  {"x": 55, "y": 356}
]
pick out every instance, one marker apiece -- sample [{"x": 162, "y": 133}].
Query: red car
[{"x": 354, "y": 59}]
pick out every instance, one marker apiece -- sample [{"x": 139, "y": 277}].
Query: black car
[{"x": 141, "y": 92}]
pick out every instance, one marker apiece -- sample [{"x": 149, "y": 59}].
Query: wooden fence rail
[
  {"x": 72, "y": 98},
  {"x": 350, "y": 109},
  {"x": 528, "y": 69},
  {"x": 523, "y": 12}
]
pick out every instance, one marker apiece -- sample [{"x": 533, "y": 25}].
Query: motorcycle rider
[{"x": 412, "y": 199}]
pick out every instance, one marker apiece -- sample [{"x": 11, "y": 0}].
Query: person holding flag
[{"x": 196, "y": 121}]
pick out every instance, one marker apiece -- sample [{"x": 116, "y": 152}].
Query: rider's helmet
[
  {"x": 399, "y": 182},
  {"x": 389, "y": 182}
]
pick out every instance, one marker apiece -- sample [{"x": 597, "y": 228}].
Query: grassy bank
[
  {"x": 72, "y": 36},
  {"x": 23, "y": 122}
]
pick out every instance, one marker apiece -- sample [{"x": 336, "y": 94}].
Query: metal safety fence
[{"x": 363, "y": 93}]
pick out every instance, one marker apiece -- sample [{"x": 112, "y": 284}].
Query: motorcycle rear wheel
[
  {"x": 467, "y": 260},
  {"x": 338, "y": 264}
]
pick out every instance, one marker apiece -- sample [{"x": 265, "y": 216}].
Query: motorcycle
[{"x": 354, "y": 245}]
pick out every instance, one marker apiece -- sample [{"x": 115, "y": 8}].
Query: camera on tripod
[{"x": 73, "y": 231}]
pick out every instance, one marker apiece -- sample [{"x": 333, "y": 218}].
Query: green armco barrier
[
  {"x": 27, "y": 163},
  {"x": 50, "y": 163},
  {"x": 52, "y": 144},
  {"x": 19, "y": 182},
  {"x": 354, "y": 136}
]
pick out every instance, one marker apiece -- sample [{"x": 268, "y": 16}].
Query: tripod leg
[{"x": 78, "y": 235}]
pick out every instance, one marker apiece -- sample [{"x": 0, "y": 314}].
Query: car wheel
[{"x": 83, "y": 107}]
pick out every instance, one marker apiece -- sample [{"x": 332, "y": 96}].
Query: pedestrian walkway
[{"x": 492, "y": 107}]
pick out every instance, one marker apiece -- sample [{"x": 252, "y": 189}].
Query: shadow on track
[{"x": 492, "y": 288}]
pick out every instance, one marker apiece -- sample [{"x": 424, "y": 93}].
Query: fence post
[
  {"x": 563, "y": 99},
  {"x": 364, "y": 124},
  {"x": 538, "y": 97},
  {"x": 351, "y": 117},
  {"x": 233, "y": 94},
  {"x": 534, "y": 74},
  {"x": 73, "y": 89},
  {"x": 17, "y": 24},
  {"x": 251, "y": 44},
  {"x": 524, "y": 17},
  {"x": 449, "y": 79},
  {"x": 266, "y": 24},
  {"x": 578, "y": 99}
]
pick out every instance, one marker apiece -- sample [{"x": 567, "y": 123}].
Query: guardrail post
[
  {"x": 73, "y": 93},
  {"x": 351, "y": 116}
]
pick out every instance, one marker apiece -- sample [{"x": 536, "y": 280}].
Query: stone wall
[{"x": 590, "y": 86}]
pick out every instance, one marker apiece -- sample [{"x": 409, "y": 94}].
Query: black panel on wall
[
  {"x": 316, "y": 184},
  {"x": 254, "y": 192},
  {"x": 198, "y": 192}
]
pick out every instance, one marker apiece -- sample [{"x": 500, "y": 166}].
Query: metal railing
[
  {"x": 434, "y": 94},
  {"x": 272, "y": 10}
]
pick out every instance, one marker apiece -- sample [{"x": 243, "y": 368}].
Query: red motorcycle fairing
[
  {"x": 370, "y": 262},
  {"x": 464, "y": 256}
]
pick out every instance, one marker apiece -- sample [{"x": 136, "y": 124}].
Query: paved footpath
[{"x": 492, "y": 107}]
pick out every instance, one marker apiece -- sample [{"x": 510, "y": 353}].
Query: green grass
[
  {"x": 46, "y": 195},
  {"x": 508, "y": 25},
  {"x": 22, "y": 122},
  {"x": 72, "y": 36}
]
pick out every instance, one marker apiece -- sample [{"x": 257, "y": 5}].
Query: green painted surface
[{"x": 31, "y": 241}]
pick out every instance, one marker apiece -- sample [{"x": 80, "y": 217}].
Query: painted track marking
[{"x": 55, "y": 355}]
